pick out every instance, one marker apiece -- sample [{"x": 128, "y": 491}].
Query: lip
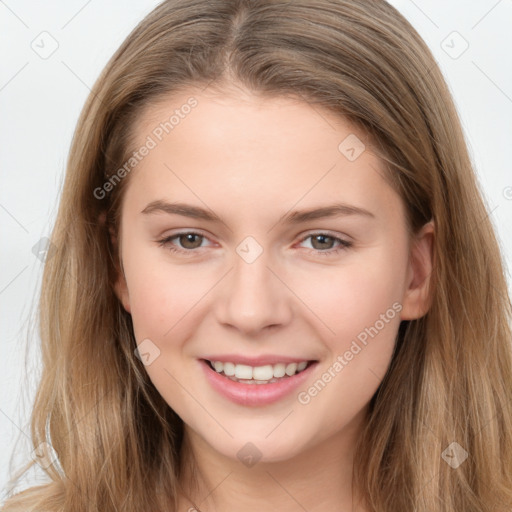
[
  {"x": 255, "y": 394},
  {"x": 254, "y": 361}
]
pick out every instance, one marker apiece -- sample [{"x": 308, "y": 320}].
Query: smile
[
  {"x": 257, "y": 374},
  {"x": 256, "y": 385}
]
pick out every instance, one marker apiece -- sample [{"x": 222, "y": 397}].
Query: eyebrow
[{"x": 294, "y": 217}]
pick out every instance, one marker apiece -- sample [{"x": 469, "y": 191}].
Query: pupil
[
  {"x": 322, "y": 238},
  {"x": 189, "y": 239}
]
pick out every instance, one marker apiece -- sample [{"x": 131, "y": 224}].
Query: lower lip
[{"x": 255, "y": 394}]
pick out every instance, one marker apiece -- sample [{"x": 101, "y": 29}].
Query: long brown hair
[{"x": 116, "y": 441}]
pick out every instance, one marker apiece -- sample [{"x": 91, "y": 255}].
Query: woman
[{"x": 252, "y": 371}]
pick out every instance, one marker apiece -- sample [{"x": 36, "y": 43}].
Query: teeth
[
  {"x": 229, "y": 368},
  {"x": 279, "y": 370},
  {"x": 218, "y": 366},
  {"x": 262, "y": 372},
  {"x": 243, "y": 371},
  {"x": 258, "y": 374},
  {"x": 291, "y": 369}
]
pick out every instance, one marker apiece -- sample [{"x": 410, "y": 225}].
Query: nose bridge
[{"x": 254, "y": 298}]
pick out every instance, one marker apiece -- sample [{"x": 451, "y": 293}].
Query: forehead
[
  {"x": 274, "y": 151},
  {"x": 243, "y": 116}
]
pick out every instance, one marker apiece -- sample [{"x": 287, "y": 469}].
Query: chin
[{"x": 258, "y": 448}]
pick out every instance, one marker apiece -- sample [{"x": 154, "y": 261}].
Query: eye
[
  {"x": 189, "y": 240},
  {"x": 322, "y": 243}
]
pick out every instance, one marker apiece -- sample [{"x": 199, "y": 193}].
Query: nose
[{"x": 254, "y": 297}]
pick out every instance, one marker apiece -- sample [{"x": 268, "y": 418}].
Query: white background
[{"x": 40, "y": 100}]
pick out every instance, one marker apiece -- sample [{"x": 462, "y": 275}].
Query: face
[{"x": 259, "y": 232}]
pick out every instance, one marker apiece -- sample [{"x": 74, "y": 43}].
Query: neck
[{"x": 318, "y": 478}]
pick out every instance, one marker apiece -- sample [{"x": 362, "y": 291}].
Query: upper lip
[{"x": 255, "y": 361}]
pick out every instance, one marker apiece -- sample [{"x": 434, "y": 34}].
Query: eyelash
[{"x": 344, "y": 244}]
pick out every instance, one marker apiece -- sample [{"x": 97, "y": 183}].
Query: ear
[
  {"x": 120, "y": 285},
  {"x": 416, "y": 301},
  {"x": 121, "y": 290}
]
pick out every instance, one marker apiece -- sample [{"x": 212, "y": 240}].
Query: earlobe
[
  {"x": 121, "y": 290},
  {"x": 417, "y": 300},
  {"x": 120, "y": 286}
]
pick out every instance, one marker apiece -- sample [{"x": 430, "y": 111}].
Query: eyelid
[
  {"x": 328, "y": 232},
  {"x": 193, "y": 231},
  {"x": 177, "y": 232}
]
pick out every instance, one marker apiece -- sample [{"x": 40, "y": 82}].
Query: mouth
[
  {"x": 265, "y": 374},
  {"x": 256, "y": 385}
]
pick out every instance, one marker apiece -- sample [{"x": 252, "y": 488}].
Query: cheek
[
  {"x": 354, "y": 296},
  {"x": 164, "y": 295},
  {"x": 158, "y": 300},
  {"x": 361, "y": 305},
  {"x": 156, "y": 291}
]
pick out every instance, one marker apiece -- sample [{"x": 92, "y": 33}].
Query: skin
[{"x": 252, "y": 160}]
